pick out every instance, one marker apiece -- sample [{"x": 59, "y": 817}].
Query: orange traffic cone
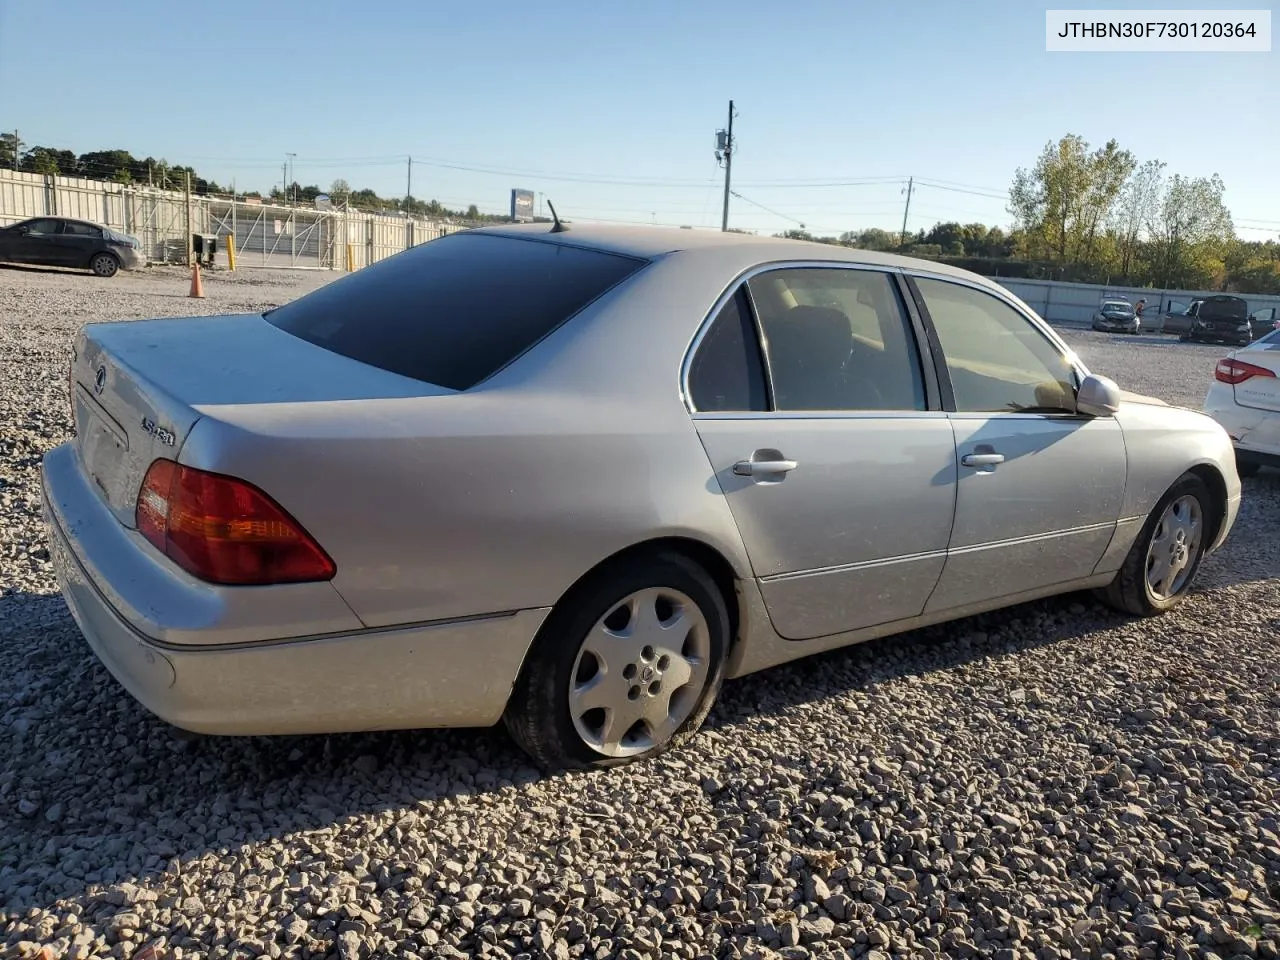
[{"x": 197, "y": 288}]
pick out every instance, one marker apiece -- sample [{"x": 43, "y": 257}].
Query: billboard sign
[{"x": 522, "y": 206}]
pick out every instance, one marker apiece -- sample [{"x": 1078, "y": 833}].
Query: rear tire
[
  {"x": 104, "y": 265},
  {"x": 592, "y": 694},
  {"x": 1163, "y": 562}
]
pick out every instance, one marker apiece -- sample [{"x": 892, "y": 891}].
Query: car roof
[
  {"x": 54, "y": 216},
  {"x": 652, "y": 243}
]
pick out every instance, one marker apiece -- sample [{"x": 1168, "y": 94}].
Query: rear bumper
[
  {"x": 455, "y": 673},
  {"x": 1255, "y": 434},
  {"x": 131, "y": 259}
]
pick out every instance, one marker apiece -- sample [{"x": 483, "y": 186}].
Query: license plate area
[{"x": 104, "y": 446}]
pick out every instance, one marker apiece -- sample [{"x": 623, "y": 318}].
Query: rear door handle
[
  {"x": 763, "y": 468},
  {"x": 982, "y": 459}
]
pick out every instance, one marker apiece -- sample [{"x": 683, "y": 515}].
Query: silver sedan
[{"x": 573, "y": 480}]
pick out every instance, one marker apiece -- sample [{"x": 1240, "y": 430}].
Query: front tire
[
  {"x": 625, "y": 667},
  {"x": 104, "y": 265},
  {"x": 1165, "y": 558}
]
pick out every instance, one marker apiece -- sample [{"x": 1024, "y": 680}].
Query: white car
[{"x": 1245, "y": 399}]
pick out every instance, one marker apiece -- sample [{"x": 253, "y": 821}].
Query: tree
[
  {"x": 108, "y": 164},
  {"x": 1191, "y": 232},
  {"x": 1138, "y": 201},
  {"x": 40, "y": 160},
  {"x": 1107, "y": 171},
  {"x": 871, "y": 239},
  {"x": 1061, "y": 203},
  {"x": 339, "y": 191},
  {"x": 7, "y": 149}
]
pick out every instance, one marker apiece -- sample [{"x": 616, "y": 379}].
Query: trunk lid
[
  {"x": 138, "y": 387},
  {"x": 1261, "y": 393}
]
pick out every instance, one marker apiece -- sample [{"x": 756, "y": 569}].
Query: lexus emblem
[{"x": 100, "y": 380}]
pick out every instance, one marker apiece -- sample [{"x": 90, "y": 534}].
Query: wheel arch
[
  {"x": 706, "y": 556},
  {"x": 1217, "y": 484}
]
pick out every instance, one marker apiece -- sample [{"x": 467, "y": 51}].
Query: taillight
[
  {"x": 225, "y": 530},
  {"x": 1233, "y": 371}
]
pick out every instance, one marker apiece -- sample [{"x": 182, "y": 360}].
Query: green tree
[
  {"x": 1067, "y": 197},
  {"x": 339, "y": 192},
  {"x": 1191, "y": 233},
  {"x": 40, "y": 160},
  {"x": 870, "y": 239},
  {"x": 108, "y": 164},
  {"x": 1138, "y": 202}
]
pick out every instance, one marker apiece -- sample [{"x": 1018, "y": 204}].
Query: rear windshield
[
  {"x": 456, "y": 310},
  {"x": 1223, "y": 309}
]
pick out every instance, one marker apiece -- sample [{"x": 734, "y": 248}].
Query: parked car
[
  {"x": 1264, "y": 321},
  {"x": 62, "y": 242},
  {"x": 573, "y": 480},
  {"x": 1245, "y": 399},
  {"x": 1219, "y": 319},
  {"x": 1116, "y": 316}
]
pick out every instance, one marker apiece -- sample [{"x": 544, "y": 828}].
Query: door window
[
  {"x": 43, "y": 227},
  {"x": 837, "y": 339},
  {"x": 73, "y": 229},
  {"x": 726, "y": 373},
  {"x": 997, "y": 359}
]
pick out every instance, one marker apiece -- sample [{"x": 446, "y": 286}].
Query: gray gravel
[{"x": 1049, "y": 781}]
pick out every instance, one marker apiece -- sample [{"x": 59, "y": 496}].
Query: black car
[
  {"x": 63, "y": 242},
  {"x": 1221, "y": 319}
]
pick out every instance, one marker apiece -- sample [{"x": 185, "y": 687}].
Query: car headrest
[
  {"x": 822, "y": 332},
  {"x": 808, "y": 349}
]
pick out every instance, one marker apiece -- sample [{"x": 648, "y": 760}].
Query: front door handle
[
  {"x": 982, "y": 459},
  {"x": 763, "y": 468}
]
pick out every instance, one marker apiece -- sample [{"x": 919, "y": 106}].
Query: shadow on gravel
[
  {"x": 35, "y": 268},
  {"x": 137, "y": 777}
]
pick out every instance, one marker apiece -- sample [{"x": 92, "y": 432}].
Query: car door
[
  {"x": 41, "y": 242},
  {"x": 811, "y": 400},
  {"x": 10, "y": 237},
  {"x": 1262, "y": 322},
  {"x": 78, "y": 242},
  {"x": 1040, "y": 487}
]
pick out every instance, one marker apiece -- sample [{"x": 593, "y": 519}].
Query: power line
[{"x": 764, "y": 208}]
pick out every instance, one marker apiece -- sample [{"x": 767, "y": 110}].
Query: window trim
[
  {"x": 912, "y": 329},
  {"x": 1040, "y": 326}
]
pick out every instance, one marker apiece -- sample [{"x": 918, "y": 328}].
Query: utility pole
[
  {"x": 284, "y": 181},
  {"x": 289, "y": 175},
  {"x": 408, "y": 187},
  {"x": 726, "y": 150},
  {"x": 903, "y": 239}
]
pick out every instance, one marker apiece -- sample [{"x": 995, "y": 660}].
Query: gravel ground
[{"x": 1050, "y": 781}]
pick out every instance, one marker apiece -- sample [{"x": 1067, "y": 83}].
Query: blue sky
[{"x": 560, "y": 96}]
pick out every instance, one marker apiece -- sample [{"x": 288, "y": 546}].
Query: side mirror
[{"x": 1098, "y": 397}]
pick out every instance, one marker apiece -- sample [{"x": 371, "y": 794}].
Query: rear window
[
  {"x": 456, "y": 310},
  {"x": 1224, "y": 310}
]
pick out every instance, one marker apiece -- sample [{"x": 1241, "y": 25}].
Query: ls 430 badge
[{"x": 160, "y": 433}]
